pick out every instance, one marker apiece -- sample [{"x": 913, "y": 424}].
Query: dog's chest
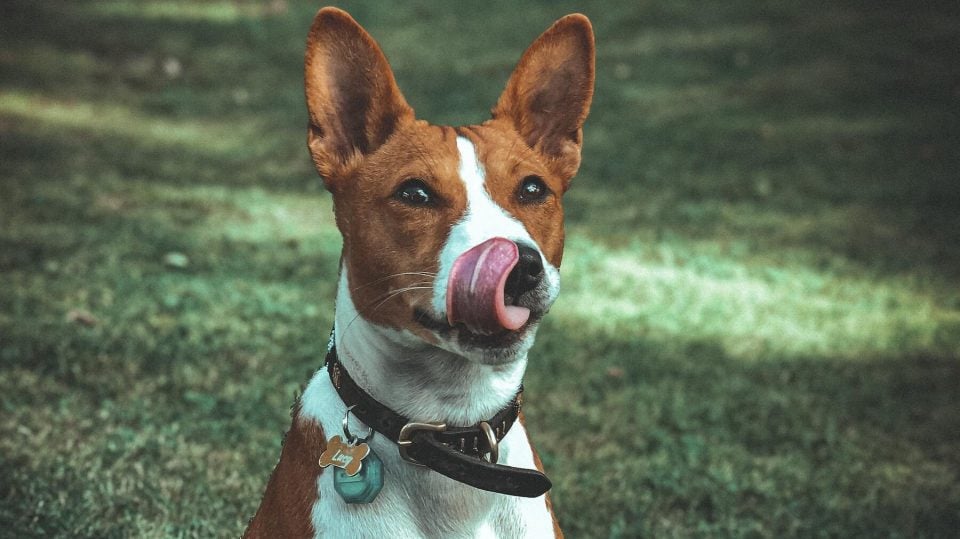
[{"x": 416, "y": 501}]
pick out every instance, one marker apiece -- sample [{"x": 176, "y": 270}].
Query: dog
[{"x": 452, "y": 242}]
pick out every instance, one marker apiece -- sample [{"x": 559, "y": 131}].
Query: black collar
[{"x": 456, "y": 452}]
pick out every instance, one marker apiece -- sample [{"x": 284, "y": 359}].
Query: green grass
[{"x": 759, "y": 334}]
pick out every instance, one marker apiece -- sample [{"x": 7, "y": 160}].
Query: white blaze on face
[{"x": 483, "y": 219}]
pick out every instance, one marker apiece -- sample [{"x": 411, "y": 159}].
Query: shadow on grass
[{"x": 693, "y": 442}]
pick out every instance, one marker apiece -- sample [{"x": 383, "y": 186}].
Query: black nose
[{"x": 526, "y": 275}]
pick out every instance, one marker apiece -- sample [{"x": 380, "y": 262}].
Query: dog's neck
[{"x": 416, "y": 379}]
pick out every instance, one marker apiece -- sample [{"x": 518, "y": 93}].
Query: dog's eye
[
  {"x": 532, "y": 190},
  {"x": 415, "y": 193}
]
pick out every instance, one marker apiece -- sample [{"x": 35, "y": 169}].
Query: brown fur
[
  {"x": 292, "y": 489},
  {"x": 352, "y": 97},
  {"x": 549, "y": 93}
]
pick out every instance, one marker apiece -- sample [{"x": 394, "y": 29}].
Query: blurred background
[{"x": 759, "y": 333}]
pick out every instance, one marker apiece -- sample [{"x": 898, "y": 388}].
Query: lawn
[{"x": 759, "y": 333}]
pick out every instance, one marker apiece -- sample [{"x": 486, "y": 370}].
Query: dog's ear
[
  {"x": 548, "y": 96},
  {"x": 352, "y": 97}
]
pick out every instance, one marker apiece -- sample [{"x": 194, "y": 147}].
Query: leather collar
[{"x": 456, "y": 452}]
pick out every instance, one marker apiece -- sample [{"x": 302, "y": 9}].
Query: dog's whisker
[
  {"x": 401, "y": 274},
  {"x": 396, "y": 293},
  {"x": 383, "y": 298}
]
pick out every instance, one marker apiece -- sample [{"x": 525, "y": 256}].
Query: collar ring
[{"x": 351, "y": 438}]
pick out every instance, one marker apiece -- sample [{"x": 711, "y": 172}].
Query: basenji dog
[{"x": 452, "y": 241}]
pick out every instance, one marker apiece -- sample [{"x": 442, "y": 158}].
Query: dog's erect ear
[
  {"x": 352, "y": 97},
  {"x": 549, "y": 93}
]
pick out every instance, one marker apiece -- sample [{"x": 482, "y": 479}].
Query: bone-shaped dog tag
[{"x": 342, "y": 455}]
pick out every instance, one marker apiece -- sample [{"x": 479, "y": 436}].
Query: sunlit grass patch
[
  {"x": 697, "y": 292},
  {"x": 119, "y": 120},
  {"x": 250, "y": 214},
  {"x": 216, "y": 11},
  {"x": 658, "y": 41}
]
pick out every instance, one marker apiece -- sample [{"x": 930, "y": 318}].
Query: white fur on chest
[{"x": 415, "y": 501}]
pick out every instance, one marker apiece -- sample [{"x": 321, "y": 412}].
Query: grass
[{"x": 759, "y": 334}]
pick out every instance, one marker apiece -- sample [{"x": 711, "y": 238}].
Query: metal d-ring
[
  {"x": 491, "y": 442},
  {"x": 351, "y": 439}
]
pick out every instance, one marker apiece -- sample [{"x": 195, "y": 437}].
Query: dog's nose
[{"x": 527, "y": 274}]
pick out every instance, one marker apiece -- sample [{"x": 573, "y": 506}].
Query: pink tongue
[{"x": 475, "y": 288}]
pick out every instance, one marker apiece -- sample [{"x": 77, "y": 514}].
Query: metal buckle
[
  {"x": 491, "y": 442},
  {"x": 405, "y": 440}
]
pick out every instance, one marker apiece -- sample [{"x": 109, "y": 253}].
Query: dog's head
[{"x": 452, "y": 235}]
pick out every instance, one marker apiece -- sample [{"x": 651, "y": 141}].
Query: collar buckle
[
  {"x": 493, "y": 455},
  {"x": 405, "y": 440}
]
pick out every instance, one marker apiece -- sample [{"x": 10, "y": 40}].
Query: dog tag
[
  {"x": 344, "y": 456},
  {"x": 362, "y": 487}
]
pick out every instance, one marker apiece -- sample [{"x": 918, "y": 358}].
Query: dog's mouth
[{"x": 468, "y": 339}]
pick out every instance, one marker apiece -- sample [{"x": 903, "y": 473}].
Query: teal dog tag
[{"x": 363, "y": 486}]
